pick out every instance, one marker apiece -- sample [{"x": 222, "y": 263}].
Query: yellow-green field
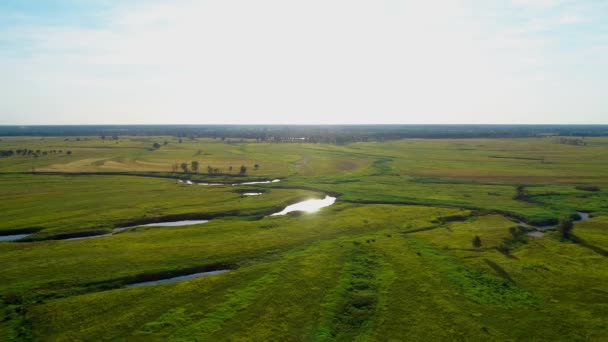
[{"x": 391, "y": 260}]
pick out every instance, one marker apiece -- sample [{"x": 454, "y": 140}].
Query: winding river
[
  {"x": 189, "y": 182},
  {"x": 308, "y": 206},
  {"x": 13, "y": 237},
  {"x": 180, "y": 278}
]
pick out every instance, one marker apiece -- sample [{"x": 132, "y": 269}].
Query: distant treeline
[
  {"x": 312, "y": 133},
  {"x": 26, "y": 152}
]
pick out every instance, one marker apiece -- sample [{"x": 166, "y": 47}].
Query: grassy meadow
[{"x": 391, "y": 260}]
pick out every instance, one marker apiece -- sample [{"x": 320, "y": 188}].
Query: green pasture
[{"x": 391, "y": 260}]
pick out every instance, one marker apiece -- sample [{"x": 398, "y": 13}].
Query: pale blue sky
[{"x": 314, "y": 61}]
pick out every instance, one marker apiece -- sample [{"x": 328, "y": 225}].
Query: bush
[
  {"x": 12, "y": 299},
  {"x": 476, "y": 242},
  {"x": 565, "y": 227},
  {"x": 591, "y": 188}
]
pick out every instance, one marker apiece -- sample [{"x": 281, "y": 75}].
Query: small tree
[
  {"x": 156, "y": 145},
  {"x": 520, "y": 193},
  {"x": 69, "y": 152},
  {"x": 230, "y": 169},
  {"x": 194, "y": 166},
  {"x": 209, "y": 169},
  {"x": 243, "y": 170},
  {"x": 256, "y": 167},
  {"x": 184, "y": 166},
  {"x": 565, "y": 227},
  {"x": 174, "y": 167},
  {"x": 476, "y": 242}
]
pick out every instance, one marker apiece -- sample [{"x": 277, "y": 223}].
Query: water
[
  {"x": 233, "y": 184},
  {"x": 180, "y": 278},
  {"x": 251, "y": 193},
  {"x": 584, "y": 216},
  {"x": 540, "y": 229},
  {"x": 258, "y": 182},
  {"x": 164, "y": 224},
  {"x": 13, "y": 237},
  {"x": 86, "y": 237},
  {"x": 308, "y": 206}
]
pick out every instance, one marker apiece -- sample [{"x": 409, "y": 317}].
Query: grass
[
  {"x": 58, "y": 205},
  {"x": 392, "y": 260}
]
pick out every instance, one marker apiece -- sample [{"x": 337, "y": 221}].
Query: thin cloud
[{"x": 295, "y": 62}]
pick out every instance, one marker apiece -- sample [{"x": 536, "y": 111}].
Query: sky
[{"x": 303, "y": 62}]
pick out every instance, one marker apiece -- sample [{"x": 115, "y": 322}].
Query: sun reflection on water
[{"x": 308, "y": 206}]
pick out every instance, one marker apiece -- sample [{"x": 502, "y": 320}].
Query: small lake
[
  {"x": 308, "y": 206},
  {"x": 180, "y": 278},
  {"x": 13, "y": 237}
]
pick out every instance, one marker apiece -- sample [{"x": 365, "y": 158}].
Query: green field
[{"x": 391, "y": 260}]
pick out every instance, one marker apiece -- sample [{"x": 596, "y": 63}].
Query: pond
[
  {"x": 180, "y": 278},
  {"x": 308, "y": 205}
]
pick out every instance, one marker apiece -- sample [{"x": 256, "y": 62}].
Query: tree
[
  {"x": 520, "y": 193},
  {"x": 180, "y": 141},
  {"x": 209, "y": 169},
  {"x": 565, "y": 227},
  {"x": 230, "y": 169},
  {"x": 184, "y": 166},
  {"x": 194, "y": 166},
  {"x": 156, "y": 145},
  {"x": 243, "y": 170},
  {"x": 476, "y": 242},
  {"x": 256, "y": 167},
  {"x": 166, "y": 143},
  {"x": 174, "y": 167},
  {"x": 69, "y": 152}
]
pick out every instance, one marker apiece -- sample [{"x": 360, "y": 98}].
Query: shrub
[
  {"x": 565, "y": 226},
  {"x": 476, "y": 242},
  {"x": 591, "y": 188}
]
